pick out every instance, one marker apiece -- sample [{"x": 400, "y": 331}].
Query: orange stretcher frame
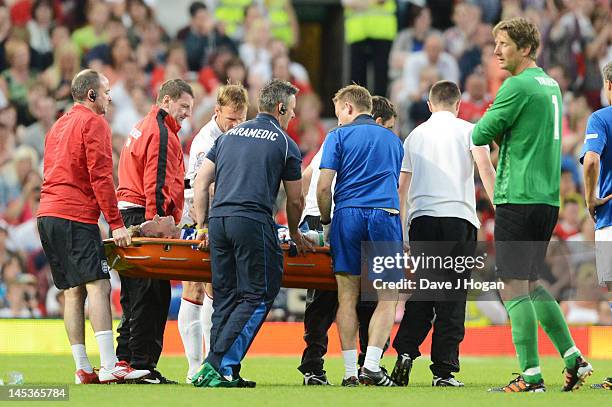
[{"x": 173, "y": 259}]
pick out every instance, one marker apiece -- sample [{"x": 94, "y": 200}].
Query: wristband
[
  {"x": 202, "y": 230},
  {"x": 133, "y": 230},
  {"x": 325, "y": 223}
]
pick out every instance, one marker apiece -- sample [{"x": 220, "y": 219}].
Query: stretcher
[{"x": 173, "y": 259}]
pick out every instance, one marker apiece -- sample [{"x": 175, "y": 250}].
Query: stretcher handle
[{"x": 139, "y": 241}]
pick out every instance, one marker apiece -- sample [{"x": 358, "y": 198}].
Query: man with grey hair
[
  {"x": 78, "y": 184},
  {"x": 432, "y": 55},
  {"x": 248, "y": 164},
  {"x": 597, "y": 160}
]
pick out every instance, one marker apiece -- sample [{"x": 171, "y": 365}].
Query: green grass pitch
[{"x": 279, "y": 383}]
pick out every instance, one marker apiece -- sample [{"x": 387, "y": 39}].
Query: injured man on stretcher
[{"x": 165, "y": 228}]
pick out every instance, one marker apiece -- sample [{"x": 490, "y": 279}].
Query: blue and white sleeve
[{"x": 595, "y": 137}]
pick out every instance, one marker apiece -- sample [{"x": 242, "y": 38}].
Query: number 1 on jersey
[{"x": 555, "y": 103}]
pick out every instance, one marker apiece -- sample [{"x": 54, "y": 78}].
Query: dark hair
[
  {"x": 112, "y": 46},
  {"x": 383, "y": 108},
  {"x": 522, "y": 31},
  {"x": 39, "y": 3},
  {"x": 142, "y": 3},
  {"x": 195, "y": 7},
  {"x": 83, "y": 82},
  {"x": 10, "y": 258},
  {"x": 415, "y": 12},
  {"x": 218, "y": 52},
  {"x": 234, "y": 61},
  {"x": 174, "y": 88},
  {"x": 444, "y": 93},
  {"x": 114, "y": 19},
  {"x": 274, "y": 92}
]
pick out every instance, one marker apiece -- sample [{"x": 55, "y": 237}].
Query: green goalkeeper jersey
[{"x": 525, "y": 121}]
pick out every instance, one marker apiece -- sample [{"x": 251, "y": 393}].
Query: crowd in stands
[{"x": 44, "y": 43}]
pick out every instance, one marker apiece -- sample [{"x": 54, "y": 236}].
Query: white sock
[
  {"x": 350, "y": 362},
  {"x": 190, "y": 329},
  {"x": 106, "y": 344},
  {"x": 571, "y": 351},
  {"x": 372, "y": 358},
  {"x": 81, "y": 360},
  {"x": 206, "y": 315}
]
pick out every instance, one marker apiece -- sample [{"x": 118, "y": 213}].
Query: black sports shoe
[
  {"x": 401, "y": 370},
  {"x": 519, "y": 385},
  {"x": 575, "y": 377},
  {"x": 155, "y": 377},
  {"x": 380, "y": 378},
  {"x": 606, "y": 384},
  {"x": 245, "y": 383},
  {"x": 449, "y": 381},
  {"x": 350, "y": 382},
  {"x": 316, "y": 379}
]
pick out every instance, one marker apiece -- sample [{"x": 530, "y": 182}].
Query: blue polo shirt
[
  {"x": 250, "y": 161},
  {"x": 598, "y": 139},
  {"x": 367, "y": 159}
]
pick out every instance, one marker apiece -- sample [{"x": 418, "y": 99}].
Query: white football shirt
[
  {"x": 200, "y": 146},
  {"x": 311, "y": 207},
  {"x": 438, "y": 153}
]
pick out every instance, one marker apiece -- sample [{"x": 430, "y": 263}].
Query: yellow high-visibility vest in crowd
[
  {"x": 377, "y": 22},
  {"x": 280, "y": 21},
  {"x": 474, "y": 317},
  {"x": 231, "y": 14}
]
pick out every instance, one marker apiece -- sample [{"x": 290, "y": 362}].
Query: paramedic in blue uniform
[{"x": 248, "y": 164}]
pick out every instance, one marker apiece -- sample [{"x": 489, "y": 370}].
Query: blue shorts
[{"x": 351, "y": 226}]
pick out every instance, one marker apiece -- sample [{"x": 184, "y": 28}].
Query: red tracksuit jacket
[
  {"x": 151, "y": 167},
  {"x": 78, "y": 173}
]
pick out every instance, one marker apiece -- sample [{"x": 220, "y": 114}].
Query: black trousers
[
  {"x": 145, "y": 304},
  {"x": 320, "y": 314},
  {"x": 371, "y": 51},
  {"x": 447, "y": 317},
  {"x": 247, "y": 269}
]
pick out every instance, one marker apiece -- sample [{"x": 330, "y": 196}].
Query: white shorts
[{"x": 603, "y": 254}]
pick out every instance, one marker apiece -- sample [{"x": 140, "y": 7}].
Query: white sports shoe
[{"x": 122, "y": 372}]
